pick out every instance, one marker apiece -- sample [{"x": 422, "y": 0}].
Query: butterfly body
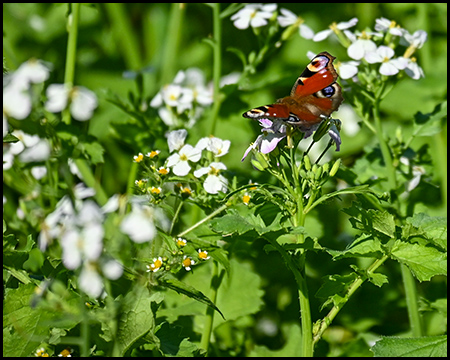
[{"x": 314, "y": 96}]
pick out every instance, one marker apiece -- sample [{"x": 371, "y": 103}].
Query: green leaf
[
  {"x": 334, "y": 288},
  {"x": 363, "y": 246},
  {"x": 95, "y": 151},
  {"x": 430, "y": 346},
  {"x": 433, "y": 228},
  {"x": 430, "y": 124},
  {"x": 424, "y": 261},
  {"x": 378, "y": 279},
  {"x": 182, "y": 288},
  {"x": 137, "y": 317}
]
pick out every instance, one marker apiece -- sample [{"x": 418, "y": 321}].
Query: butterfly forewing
[{"x": 315, "y": 94}]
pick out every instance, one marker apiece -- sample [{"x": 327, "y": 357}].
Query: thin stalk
[
  {"x": 207, "y": 218},
  {"x": 392, "y": 179},
  {"x": 170, "y": 53},
  {"x": 69, "y": 73},
  {"x": 412, "y": 302},
  {"x": 123, "y": 33},
  {"x": 209, "y": 319},
  {"x": 217, "y": 64},
  {"x": 327, "y": 320},
  {"x": 408, "y": 280}
]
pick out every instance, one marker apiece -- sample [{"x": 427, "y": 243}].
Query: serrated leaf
[
  {"x": 378, "y": 279},
  {"x": 424, "y": 261},
  {"x": 425, "y": 347},
  {"x": 183, "y": 288},
  {"x": 137, "y": 318},
  {"x": 433, "y": 228},
  {"x": 430, "y": 124},
  {"x": 363, "y": 246},
  {"x": 334, "y": 288}
]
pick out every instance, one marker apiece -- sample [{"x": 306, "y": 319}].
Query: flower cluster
[
  {"x": 377, "y": 47},
  {"x": 186, "y": 95},
  {"x": 178, "y": 258},
  {"x": 79, "y": 228},
  {"x": 381, "y": 47},
  {"x": 19, "y": 95},
  {"x": 258, "y": 15},
  {"x": 204, "y": 156}
]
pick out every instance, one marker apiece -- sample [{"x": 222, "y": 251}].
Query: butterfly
[{"x": 314, "y": 96}]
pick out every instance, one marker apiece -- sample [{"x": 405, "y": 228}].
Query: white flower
[
  {"x": 175, "y": 139},
  {"x": 414, "y": 70},
  {"x": 33, "y": 71},
  {"x": 358, "y": 49},
  {"x": 217, "y": 146},
  {"x": 254, "y": 15},
  {"x": 386, "y": 25},
  {"x": 180, "y": 161},
  {"x": 348, "y": 69},
  {"x": 90, "y": 280},
  {"x": 214, "y": 181},
  {"x": 82, "y": 101},
  {"x": 416, "y": 40},
  {"x": 322, "y": 35},
  {"x": 139, "y": 224},
  {"x": 112, "y": 269},
  {"x": 389, "y": 66},
  {"x": 288, "y": 18},
  {"x": 16, "y": 101}
]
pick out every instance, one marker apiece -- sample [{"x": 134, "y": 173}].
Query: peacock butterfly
[{"x": 314, "y": 96}]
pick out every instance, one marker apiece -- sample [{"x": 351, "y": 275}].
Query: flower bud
[
  {"x": 307, "y": 162},
  {"x": 335, "y": 167}
]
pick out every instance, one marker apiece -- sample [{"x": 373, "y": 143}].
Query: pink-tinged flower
[{"x": 272, "y": 133}]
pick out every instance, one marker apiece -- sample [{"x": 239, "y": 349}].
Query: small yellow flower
[
  {"x": 157, "y": 263},
  {"x": 152, "y": 154},
  {"x": 187, "y": 263},
  {"x": 41, "y": 353},
  {"x": 155, "y": 190},
  {"x": 138, "y": 158},
  {"x": 181, "y": 242},
  {"x": 246, "y": 199},
  {"x": 66, "y": 353},
  {"x": 203, "y": 255},
  {"x": 163, "y": 171}
]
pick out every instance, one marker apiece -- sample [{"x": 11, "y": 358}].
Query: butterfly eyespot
[
  {"x": 328, "y": 91},
  {"x": 293, "y": 119}
]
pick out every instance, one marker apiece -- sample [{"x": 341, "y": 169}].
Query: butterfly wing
[{"x": 315, "y": 94}]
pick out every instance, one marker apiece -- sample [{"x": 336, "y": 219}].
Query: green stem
[
  {"x": 392, "y": 179},
  {"x": 175, "y": 216},
  {"x": 90, "y": 181},
  {"x": 210, "y": 216},
  {"x": 170, "y": 52},
  {"x": 69, "y": 73},
  {"x": 412, "y": 302},
  {"x": 408, "y": 280},
  {"x": 351, "y": 290},
  {"x": 217, "y": 64},
  {"x": 207, "y": 329},
  {"x": 123, "y": 33}
]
